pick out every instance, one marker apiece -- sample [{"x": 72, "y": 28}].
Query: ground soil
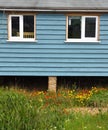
[{"x": 89, "y": 110}]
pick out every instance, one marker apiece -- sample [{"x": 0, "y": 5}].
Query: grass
[
  {"x": 35, "y": 110},
  {"x": 88, "y": 122}
]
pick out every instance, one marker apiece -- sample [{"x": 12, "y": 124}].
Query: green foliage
[
  {"x": 23, "y": 110},
  {"x": 87, "y": 122},
  {"x": 99, "y": 99}
]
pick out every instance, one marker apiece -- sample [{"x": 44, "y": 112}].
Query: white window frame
[
  {"x": 21, "y": 31},
  {"x": 83, "y": 38}
]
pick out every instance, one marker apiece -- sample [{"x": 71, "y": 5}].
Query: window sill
[
  {"x": 82, "y": 41},
  {"x": 21, "y": 40}
]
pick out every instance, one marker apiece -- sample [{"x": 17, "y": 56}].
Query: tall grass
[{"x": 23, "y": 110}]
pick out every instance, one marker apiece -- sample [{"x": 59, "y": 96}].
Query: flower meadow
[{"x": 21, "y": 109}]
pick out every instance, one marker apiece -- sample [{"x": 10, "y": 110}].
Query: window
[
  {"x": 21, "y": 27},
  {"x": 82, "y": 28}
]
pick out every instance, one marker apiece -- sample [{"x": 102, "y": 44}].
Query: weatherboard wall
[{"x": 50, "y": 55}]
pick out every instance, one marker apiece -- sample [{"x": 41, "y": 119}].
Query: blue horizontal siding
[
  {"x": 3, "y": 28},
  {"x": 53, "y": 51},
  {"x": 50, "y": 41},
  {"x": 55, "y": 23},
  {"x": 30, "y": 55},
  {"x": 54, "y": 65},
  {"x": 51, "y": 69},
  {"x": 53, "y": 60},
  {"x": 104, "y": 22},
  {"x": 51, "y": 55},
  {"x": 52, "y": 32},
  {"x": 104, "y": 29},
  {"x": 104, "y": 37},
  {"x": 52, "y": 37},
  {"x": 51, "y": 27},
  {"x": 42, "y": 73},
  {"x": 35, "y": 45},
  {"x": 105, "y": 32},
  {"x": 51, "y": 17}
]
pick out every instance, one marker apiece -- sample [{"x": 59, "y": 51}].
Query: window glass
[
  {"x": 90, "y": 27},
  {"x": 15, "y": 26},
  {"x": 28, "y": 26},
  {"x": 74, "y": 27}
]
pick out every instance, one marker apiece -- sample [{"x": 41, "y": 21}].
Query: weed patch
[{"x": 65, "y": 110}]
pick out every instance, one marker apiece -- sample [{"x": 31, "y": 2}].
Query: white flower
[{"x": 99, "y": 127}]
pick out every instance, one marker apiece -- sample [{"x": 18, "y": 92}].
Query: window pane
[
  {"x": 74, "y": 27},
  {"x": 28, "y": 26},
  {"x": 15, "y": 26},
  {"x": 90, "y": 27}
]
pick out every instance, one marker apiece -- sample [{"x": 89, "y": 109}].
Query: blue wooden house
[{"x": 53, "y": 38}]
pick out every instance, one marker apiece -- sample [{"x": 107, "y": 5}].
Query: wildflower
[
  {"x": 40, "y": 100},
  {"x": 94, "y": 90},
  {"x": 99, "y": 127},
  {"x": 68, "y": 120},
  {"x": 31, "y": 106},
  {"x": 55, "y": 127}
]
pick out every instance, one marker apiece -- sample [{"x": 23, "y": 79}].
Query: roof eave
[{"x": 53, "y": 10}]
